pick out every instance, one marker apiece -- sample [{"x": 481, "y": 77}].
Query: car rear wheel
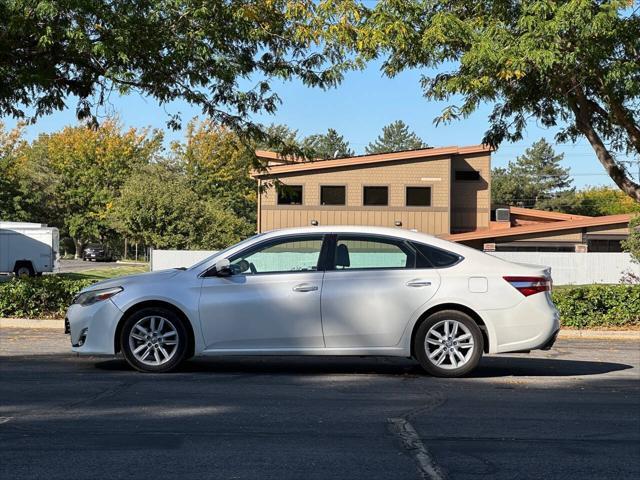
[
  {"x": 448, "y": 344},
  {"x": 154, "y": 340}
]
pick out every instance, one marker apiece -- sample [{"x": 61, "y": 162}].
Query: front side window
[
  {"x": 432, "y": 257},
  {"x": 332, "y": 195},
  {"x": 289, "y": 194},
  {"x": 375, "y": 195},
  {"x": 293, "y": 254},
  {"x": 364, "y": 252},
  {"x": 418, "y": 196}
]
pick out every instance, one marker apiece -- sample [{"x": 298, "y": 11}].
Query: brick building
[{"x": 433, "y": 190}]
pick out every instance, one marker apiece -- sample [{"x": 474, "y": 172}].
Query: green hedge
[
  {"x": 48, "y": 296},
  {"x": 593, "y": 306},
  {"x": 590, "y": 306}
]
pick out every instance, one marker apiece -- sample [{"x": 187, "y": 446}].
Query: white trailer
[{"x": 28, "y": 248}]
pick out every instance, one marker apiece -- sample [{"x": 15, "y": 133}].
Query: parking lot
[{"x": 572, "y": 412}]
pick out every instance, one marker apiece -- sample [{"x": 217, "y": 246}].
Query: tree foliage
[
  {"x": 218, "y": 165},
  {"x": 218, "y": 55},
  {"x": 11, "y": 143},
  {"x": 569, "y": 63},
  {"x": 395, "y": 137},
  {"x": 157, "y": 206},
  {"x": 327, "y": 145},
  {"x": 632, "y": 243},
  {"x": 534, "y": 180},
  {"x": 595, "y": 201}
]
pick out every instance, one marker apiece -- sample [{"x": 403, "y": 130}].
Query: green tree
[
  {"x": 632, "y": 243},
  {"x": 158, "y": 207},
  {"x": 77, "y": 172},
  {"x": 395, "y": 137},
  {"x": 597, "y": 201},
  {"x": 218, "y": 165},
  {"x": 194, "y": 50},
  {"x": 534, "y": 180},
  {"x": 10, "y": 181},
  {"x": 327, "y": 145},
  {"x": 568, "y": 62}
]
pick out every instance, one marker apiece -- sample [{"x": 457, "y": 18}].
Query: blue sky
[{"x": 358, "y": 109}]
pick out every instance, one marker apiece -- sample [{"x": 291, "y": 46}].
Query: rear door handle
[
  {"x": 305, "y": 287},
  {"x": 418, "y": 283}
]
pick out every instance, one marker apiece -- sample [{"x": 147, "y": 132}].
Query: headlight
[{"x": 93, "y": 296}]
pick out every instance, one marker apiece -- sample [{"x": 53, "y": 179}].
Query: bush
[
  {"x": 40, "y": 297},
  {"x": 593, "y": 306}
]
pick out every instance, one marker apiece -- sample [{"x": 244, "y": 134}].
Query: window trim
[
  {"x": 320, "y": 266},
  {"x": 291, "y": 204},
  {"x": 406, "y": 195},
  {"x": 411, "y": 242},
  {"x": 401, "y": 242},
  {"x": 346, "y": 191},
  {"x": 377, "y": 205}
]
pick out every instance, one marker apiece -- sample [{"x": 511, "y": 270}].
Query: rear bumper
[
  {"x": 549, "y": 343},
  {"x": 533, "y": 324}
]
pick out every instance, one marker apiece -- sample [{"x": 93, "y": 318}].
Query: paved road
[
  {"x": 79, "y": 265},
  {"x": 573, "y": 412}
]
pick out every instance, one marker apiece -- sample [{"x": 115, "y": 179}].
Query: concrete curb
[
  {"x": 31, "y": 323},
  {"x": 564, "y": 333},
  {"x": 601, "y": 334}
]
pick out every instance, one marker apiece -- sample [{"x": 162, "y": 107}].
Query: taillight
[{"x": 529, "y": 285}]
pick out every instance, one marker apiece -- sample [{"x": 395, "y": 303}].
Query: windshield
[{"x": 222, "y": 252}]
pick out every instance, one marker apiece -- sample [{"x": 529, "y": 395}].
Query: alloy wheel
[
  {"x": 449, "y": 344},
  {"x": 154, "y": 340}
]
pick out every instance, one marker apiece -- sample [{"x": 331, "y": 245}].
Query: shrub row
[
  {"x": 588, "y": 306},
  {"x": 593, "y": 306},
  {"x": 48, "y": 296}
]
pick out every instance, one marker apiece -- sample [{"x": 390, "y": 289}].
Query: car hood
[{"x": 129, "y": 280}]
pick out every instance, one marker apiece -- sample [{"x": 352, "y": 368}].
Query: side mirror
[{"x": 223, "y": 267}]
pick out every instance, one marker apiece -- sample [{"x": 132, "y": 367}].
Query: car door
[
  {"x": 270, "y": 301},
  {"x": 371, "y": 290}
]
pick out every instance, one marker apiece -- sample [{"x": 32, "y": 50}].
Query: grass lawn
[{"x": 98, "y": 274}]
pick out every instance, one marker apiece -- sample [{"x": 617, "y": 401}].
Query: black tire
[
  {"x": 422, "y": 353},
  {"x": 182, "y": 348},
  {"x": 24, "y": 269}
]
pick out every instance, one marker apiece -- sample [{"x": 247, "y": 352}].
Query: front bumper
[{"x": 92, "y": 328}]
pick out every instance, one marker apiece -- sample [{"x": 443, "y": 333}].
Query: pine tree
[
  {"x": 327, "y": 145},
  {"x": 534, "y": 180},
  {"x": 395, "y": 137}
]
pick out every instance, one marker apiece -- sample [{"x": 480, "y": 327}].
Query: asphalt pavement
[{"x": 572, "y": 412}]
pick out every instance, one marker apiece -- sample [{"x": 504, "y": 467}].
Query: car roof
[{"x": 386, "y": 231}]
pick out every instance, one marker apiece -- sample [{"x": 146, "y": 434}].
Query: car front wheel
[
  {"x": 154, "y": 340},
  {"x": 448, "y": 344}
]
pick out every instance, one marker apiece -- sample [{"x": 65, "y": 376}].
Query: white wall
[
  {"x": 577, "y": 268},
  {"x": 163, "y": 259},
  {"x": 566, "y": 268}
]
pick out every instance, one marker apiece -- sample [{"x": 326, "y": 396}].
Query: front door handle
[
  {"x": 418, "y": 283},
  {"x": 305, "y": 287}
]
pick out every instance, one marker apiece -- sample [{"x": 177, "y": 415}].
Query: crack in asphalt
[{"x": 402, "y": 428}]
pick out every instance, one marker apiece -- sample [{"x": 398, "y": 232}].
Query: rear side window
[
  {"x": 432, "y": 257},
  {"x": 364, "y": 252}
]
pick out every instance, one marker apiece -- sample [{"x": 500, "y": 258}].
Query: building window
[
  {"x": 418, "y": 196},
  {"x": 467, "y": 175},
  {"x": 289, "y": 194},
  {"x": 376, "y": 196},
  {"x": 332, "y": 195}
]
